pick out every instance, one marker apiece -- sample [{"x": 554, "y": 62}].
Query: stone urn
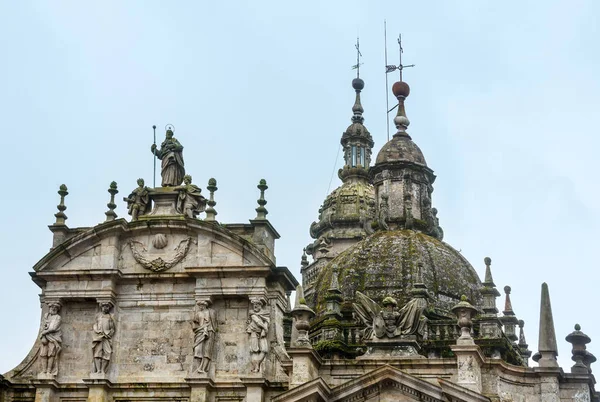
[
  {"x": 303, "y": 314},
  {"x": 464, "y": 312}
]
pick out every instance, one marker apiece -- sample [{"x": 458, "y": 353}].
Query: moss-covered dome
[
  {"x": 401, "y": 148},
  {"x": 385, "y": 264}
]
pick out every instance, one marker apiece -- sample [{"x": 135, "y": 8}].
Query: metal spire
[
  {"x": 358, "y": 56},
  {"x": 390, "y": 67}
]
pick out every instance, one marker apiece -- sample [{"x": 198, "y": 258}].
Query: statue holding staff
[{"x": 171, "y": 156}]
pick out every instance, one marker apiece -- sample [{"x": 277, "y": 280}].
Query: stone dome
[
  {"x": 385, "y": 264},
  {"x": 346, "y": 208},
  {"x": 357, "y": 130},
  {"x": 400, "y": 148}
]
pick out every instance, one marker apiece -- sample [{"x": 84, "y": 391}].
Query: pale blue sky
[{"x": 503, "y": 104}]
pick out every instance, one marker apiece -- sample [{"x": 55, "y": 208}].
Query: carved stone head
[
  {"x": 187, "y": 179},
  {"x": 140, "y": 182}
]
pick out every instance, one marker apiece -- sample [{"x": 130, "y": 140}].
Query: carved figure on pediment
[
  {"x": 204, "y": 325},
  {"x": 258, "y": 329},
  {"x": 138, "y": 202},
  {"x": 51, "y": 339},
  {"x": 104, "y": 329},
  {"x": 171, "y": 156},
  {"x": 189, "y": 202},
  {"x": 388, "y": 322}
]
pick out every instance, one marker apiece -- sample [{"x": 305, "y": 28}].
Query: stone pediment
[
  {"x": 144, "y": 247},
  {"x": 383, "y": 384}
]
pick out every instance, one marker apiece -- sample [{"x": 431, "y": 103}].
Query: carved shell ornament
[
  {"x": 160, "y": 241},
  {"x": 159, "y": 264}
]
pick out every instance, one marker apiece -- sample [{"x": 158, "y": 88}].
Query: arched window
[{"x": 353, "y": 155}]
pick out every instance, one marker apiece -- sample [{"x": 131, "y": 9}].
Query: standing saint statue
[
  {"x": 51, "y": 338},
  {"x": 258, "y": 329},
  {"x": 138, "y": 202},
  {"x": 171, "y": 155},
  {"x": 190, "y": 202},
  {"x": 204, "y": 325},
  {"x": 104, "y": 329}
]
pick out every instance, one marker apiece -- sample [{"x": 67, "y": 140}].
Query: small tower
[
  {"x": 401, "y": 174},
  {"x": 346, "y": 215}
]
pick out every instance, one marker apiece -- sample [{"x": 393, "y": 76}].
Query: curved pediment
[{"x": 160, "y": 245}]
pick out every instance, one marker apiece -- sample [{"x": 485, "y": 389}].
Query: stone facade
[{"x": 175, "y": 306}]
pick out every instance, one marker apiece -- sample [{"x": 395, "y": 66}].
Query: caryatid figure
[
  {"x": 258, "y": 329},
  {"x": 204, "y": 325},
  {"x": 171, "y": 156},
  {"x": 51, "y": 338},
  {"x": 104, "y": 329}
]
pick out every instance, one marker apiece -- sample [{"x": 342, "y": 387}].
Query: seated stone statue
[
  {"x": 190, "y": 202},
  {"x": 138, "y": 202},
  {"x": 387, "y": 322}
]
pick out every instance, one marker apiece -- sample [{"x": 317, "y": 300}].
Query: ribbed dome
[
  {"x": 385, "y": 264},
  {"x": 401, "y": 149}
]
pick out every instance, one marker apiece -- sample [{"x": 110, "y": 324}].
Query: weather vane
[
  {"x": 390, "y": 67},
  {"x": 358, "y": 56}
]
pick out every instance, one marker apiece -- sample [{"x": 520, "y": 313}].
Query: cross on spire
[
  {"x": 358, "y": 56},
  {"x": 390, "y": 67}
]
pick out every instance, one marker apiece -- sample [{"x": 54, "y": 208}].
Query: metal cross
[
  {"x": 390, "y": 68},
  {"x": 358, "y": 56}
]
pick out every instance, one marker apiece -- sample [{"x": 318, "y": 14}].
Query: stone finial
[
  {"x": 334, "y": 296},
  {"x": 508, "y": 310},
  {"x": 464, "y": 313},
  {"x": 547, "y": 349},
  {"x": 358, "y": 84},
  {"x": 111, "y": 214},
  {"x": 60, "y": 215},
  {"x": 211, "y": 213},
  {"x": 509, "y": 319},
  {"x": 489, "y": 281},
  {"x": 302, "y": 314},
  {"x": 401, "y": 90},
  {"x": 490, "y": 326},
  {"x": 261, "y": 211},
  {"x": 578, "y": 339},
  {"x": 303, "y": 260},
  {"x": 523, "y": 346}
]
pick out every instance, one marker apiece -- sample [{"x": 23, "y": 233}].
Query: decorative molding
[{"x": 159, "y": 264}]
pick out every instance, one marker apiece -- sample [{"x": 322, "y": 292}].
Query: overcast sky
[{"x": 504, "y": 104}]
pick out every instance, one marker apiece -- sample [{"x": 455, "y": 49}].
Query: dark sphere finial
[
  {"x": 358, "y": 84},
  {"x": 400, "y": 89},
  {"x": 577, "y": 327},
  {"x": 507, "y": 289},
  {"x": 487, "y": 261}
]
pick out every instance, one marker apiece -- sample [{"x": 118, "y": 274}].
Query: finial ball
[
  {"x": 507, "y": 289},
  {"x": 487, "y": 261},
  {"x": 577, "y": 327},
  {"x": 358, "y": 84},
  {"x": 400, "y": 88},
  {"x": 521, "y": 323}
]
